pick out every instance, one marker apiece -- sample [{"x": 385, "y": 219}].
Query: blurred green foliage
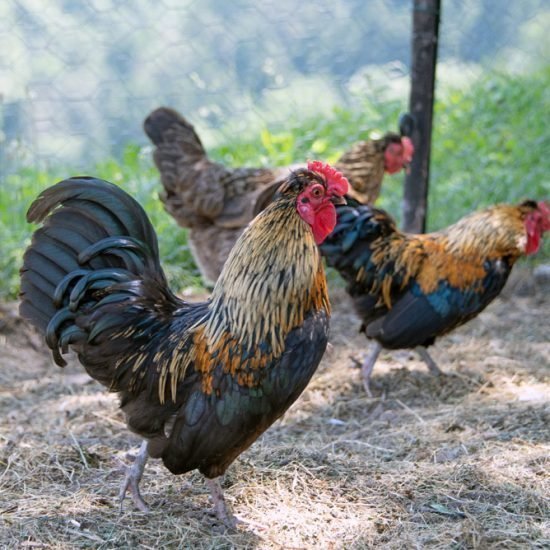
[
  {"x": 490, "y": 145},
  {"x": 226, "y": 61}
]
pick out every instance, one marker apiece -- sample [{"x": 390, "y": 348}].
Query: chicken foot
[
  {"x": 368, "y": 365},
  {"x": 132, "y": 479},
  {"x": 427, "y": 358},
  {"x": 220, "y": 506}
]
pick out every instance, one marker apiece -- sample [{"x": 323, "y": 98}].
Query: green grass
[{"x": 490, "y": 145}]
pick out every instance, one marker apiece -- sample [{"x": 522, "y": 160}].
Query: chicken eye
[{"x": 317, "y": 191}]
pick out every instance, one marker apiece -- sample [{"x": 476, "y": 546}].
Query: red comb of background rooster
[
  {"x": 544, "y": 208},
  {"x": 337, "y": 183}
]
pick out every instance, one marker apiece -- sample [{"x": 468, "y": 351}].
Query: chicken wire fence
[{"x": 78, "y": 78}]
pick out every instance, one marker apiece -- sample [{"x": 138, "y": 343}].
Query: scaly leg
[
  {"x": 427, "y": 358},
  {"x": 132, "y": 479},
  {"x": 368, "y": 365},
  {"x": 220, "y": 507}
]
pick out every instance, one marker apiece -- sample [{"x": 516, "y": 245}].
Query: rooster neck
[
  {"x": 272, "y": 281},
  {"x": 489, "y": 234},
  {"x": 363, "y": 165},
  {"x": 272, "y": 278},
  {"x": 492, "y": 233},
  {"x": 459, "y": 253}
]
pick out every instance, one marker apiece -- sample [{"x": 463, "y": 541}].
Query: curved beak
[{"x": 335, "y": 199}]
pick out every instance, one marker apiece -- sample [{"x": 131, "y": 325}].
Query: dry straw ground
[{"x": 460, "y": 462}]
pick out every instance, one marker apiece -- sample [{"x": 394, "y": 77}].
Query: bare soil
[{"x": 460, "y": 461}]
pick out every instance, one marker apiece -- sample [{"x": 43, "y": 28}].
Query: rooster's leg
[
  {"x": 368, "y": 365},
  {"x": 132, "y": 479},
  {"x": 220, "y": 507},
  {"x": 427, "y": 358}
]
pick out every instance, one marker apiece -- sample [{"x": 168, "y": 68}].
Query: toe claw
[{"x": 131, "y": 484}]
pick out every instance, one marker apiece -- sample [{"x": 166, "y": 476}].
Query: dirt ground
[{"x": 457, "y": 462}]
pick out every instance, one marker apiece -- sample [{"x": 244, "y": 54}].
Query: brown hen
[{"x": 216, "y": 202}]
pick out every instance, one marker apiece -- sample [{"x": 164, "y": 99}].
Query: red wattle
[
  {"x": 533, "y": 243},
  {"x": 325, "y": 222}
]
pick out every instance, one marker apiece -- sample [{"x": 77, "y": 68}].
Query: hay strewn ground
[{"x": 460, "y": 462}]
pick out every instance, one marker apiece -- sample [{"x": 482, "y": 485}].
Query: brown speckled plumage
[{"x": 363, "y": 165}]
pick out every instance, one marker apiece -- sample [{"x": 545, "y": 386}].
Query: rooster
[
  {"x": 216, "y": 203},
  {"x": 410, "y": 289},
  {"x": 198, "y": 381}
]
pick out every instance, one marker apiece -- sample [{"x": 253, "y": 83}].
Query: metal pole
[{"x": 426, "y": 14}]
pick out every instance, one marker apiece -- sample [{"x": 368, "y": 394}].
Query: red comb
[{"x": 337, "y": 183}]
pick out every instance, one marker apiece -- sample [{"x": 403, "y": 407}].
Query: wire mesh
[{"x": 77, "y": 78}]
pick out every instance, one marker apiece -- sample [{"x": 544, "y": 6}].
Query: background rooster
[
  {"x": 216, "y": 202},
  {"x": 410, "y": 289},
  {"x": 199, "y": 382}
]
